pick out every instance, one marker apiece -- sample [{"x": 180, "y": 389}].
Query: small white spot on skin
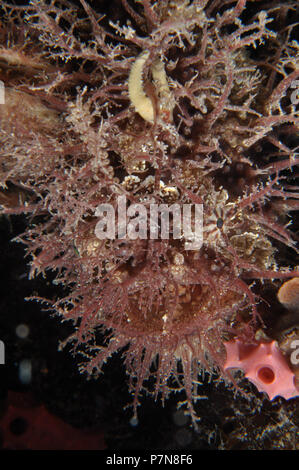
[
  {"x": 164, "y": 318},
  {"x": 179, "y": 259},
  {"x": 215, "y": 268}
]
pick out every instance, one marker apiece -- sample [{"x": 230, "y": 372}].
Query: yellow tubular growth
[
  {"x": 139, "y": 99},
  {"x": 142, "y": 103}
]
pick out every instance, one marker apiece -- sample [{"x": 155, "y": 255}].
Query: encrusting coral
[
  {"x": 187, "y": 103},
  {"x": 265, "y": 366}
]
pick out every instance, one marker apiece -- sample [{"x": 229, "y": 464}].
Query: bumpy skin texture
[{"x": 221, "y": 133}]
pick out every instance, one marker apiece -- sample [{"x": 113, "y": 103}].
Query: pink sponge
[{"x": 264, "y": 365}]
